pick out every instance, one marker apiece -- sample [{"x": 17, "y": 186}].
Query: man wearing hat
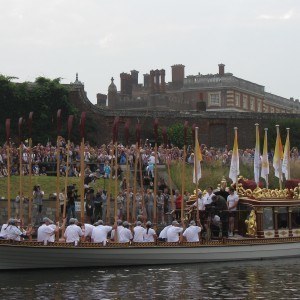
[
  {"x": 192, "y": 233},
  {"x": 12, "y": 232},
  {"x": 149, "y": 235},
  {"x": 100, "y": 231},
  {"x": 173, "y": 232},
  {"x": 45, "y": 231},
  {"x": 119, "y": 228},
  {"x": 73, "y": 232}
]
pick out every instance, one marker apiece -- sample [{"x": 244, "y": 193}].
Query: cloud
[
  {"x": 106, "y": 41},
  {"x": 285, "y": 16}
]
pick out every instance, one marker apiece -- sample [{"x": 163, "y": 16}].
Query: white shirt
[
  {"x": 192, "y": 233},
  {"x": 163, "y": 233},
  {"x": 207, "y": 198},
  {"x": 99, "y": 234},
  {"x": 88, "y": 229},
  {"x": 173, "y": 233},
  {"x": 13, "y": 233},
  {"x": 52, "y": 237},
  {"x": 73, "y": 233},
  {"x": 149, "y": 237},
  {"x": 200, "y": 204},
  {"x": 231, "y": 200},
  {"x": 119, "y": 229},
  {"x": 125, "y": 235},
  {"x": 44, "y": 233},
  {"x": 3, "y": 231},
  {"x": 138, "y": 232}
]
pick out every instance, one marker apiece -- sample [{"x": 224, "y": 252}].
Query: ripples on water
[{"x": 277, "y": 279}]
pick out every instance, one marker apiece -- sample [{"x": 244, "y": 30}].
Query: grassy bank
[{"x": 47, "y": 183}]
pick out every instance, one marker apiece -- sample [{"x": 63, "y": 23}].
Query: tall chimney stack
[{"x": 221, "y": 69}]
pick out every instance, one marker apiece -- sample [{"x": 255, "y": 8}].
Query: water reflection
[{"x": 241, "y": 280}]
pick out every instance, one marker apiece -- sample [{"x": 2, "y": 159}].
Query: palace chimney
[{"x": 221, "y": 69}]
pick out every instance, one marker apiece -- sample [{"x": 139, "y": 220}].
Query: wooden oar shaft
[
  {"x": 66, "y": 180},
  {"x": 142, "y": 188},
  {"x": 82, "y": 181},
  {"x": 30, "y": 182},
  {"x": 137, "y": 154},
  {"x": 8, "y": 182},
  {"x": 109, "y": 188},
  {"x": 116, "y": 183},
  {"x": 57, "y": 212},
  {"x": 155, "y": 187},
  {"x": 127, "y": 185},
  {"x": 21, "y": 181},
  {"x": 183, "y": 186}
]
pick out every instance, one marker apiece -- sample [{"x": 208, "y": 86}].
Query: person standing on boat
[
  {"x": 45, "y": 231},
  {"x": 173, "y": 232},
  {"x": 125, "y": 234},
  {"x": 149, "y": 202},
  {"x": 149, "y": 235},
  {"x": 73, "y": 232},
  {"x": 160, "y": 207},
  {"x": 103, "y": 204},
  {"x": 138, "y": 232},
  {"x": 221, "y": 210},
  {"x": 199, "y": 204},
  {"x": 38, "y": 195},
  {"x": 232, "y": 203},
  {"x": 100, "y": 232},
  {"x": 207, "y": 199},
  {"x": 192, "y": 233}
]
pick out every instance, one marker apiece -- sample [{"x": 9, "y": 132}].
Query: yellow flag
[
  {"x": 197, "y": 160},
  {"x": 278, "y": 155}
]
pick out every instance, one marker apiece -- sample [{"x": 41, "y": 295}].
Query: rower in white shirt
[
  {"x": 12, "y": 231},
  {"x": 138, "y": 232},
  {"x": 173, "y": 232},
  {"x": 163, "y": 234},
  {"x": 99, "y": 233},
  {"x": 87, "y": 230},
  {"x": 149, "y": 235},
  {"x": 125, "y": 234},
  {"x": 119, "y": 229},
  {"x": 73, "y": 232},
  {"x": 46, "y": 232},
  {"x": 191, "y": 234}
]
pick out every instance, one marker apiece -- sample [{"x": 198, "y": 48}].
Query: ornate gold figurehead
[{"x": 251, "y": 224}]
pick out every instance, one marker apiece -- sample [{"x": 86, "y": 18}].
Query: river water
[{"x": 274, "y": 279}]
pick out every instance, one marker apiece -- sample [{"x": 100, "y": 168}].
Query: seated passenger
[
  {"x": 99, "y": 233},
  {"x": 192, "y": 233},
  {"x": 173, "y": 232}
]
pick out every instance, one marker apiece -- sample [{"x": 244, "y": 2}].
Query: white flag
[
  {"x": 286, "y": 157},
  {"x": 257, "y": 157},
  {"x": 265, "y": 160}
]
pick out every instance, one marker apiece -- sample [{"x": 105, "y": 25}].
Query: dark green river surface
[{"x": 272, "y": 279}]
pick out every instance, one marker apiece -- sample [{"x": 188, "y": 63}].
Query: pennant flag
[
  {"x": 265, "y": 160},
  {"x": 257, "y": 156},
  {"x": 286, "y": 157},
  {"x": 278, "y": 155},
  {"x": 235, "y": 163},
  {"x": 197, "y": 159}
]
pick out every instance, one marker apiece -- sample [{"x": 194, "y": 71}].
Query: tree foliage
[{"x": 44, "y": 97}]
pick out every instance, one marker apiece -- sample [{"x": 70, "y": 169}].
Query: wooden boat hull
[{"x": 18, "y": 256}]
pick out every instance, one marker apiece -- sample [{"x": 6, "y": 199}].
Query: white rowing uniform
[
  {"x": 73, "y": 233},
  {"x": 44, "y": 233},
  {"x": 99, "y": 234},
  {"x": 149, "y": 237},
  {"x": 163, "y": 233},
  {"x": 138, "y": 232},
  {"x": 125, "y": 235},
  {"x": 88, "y": 229},
  {"x": 192, "y": 233},
  {"x": 173, "y": 233}
]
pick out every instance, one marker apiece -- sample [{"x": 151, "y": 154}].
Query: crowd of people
[{"x": 44, "y": 157}]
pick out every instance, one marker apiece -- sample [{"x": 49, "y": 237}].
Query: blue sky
[{"x": 257, "y": 40}]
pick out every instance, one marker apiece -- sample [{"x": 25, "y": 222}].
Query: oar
[
  {"x": 21, "y": 168},
  {"x": 115, "y": 138},
  {"x": 155, "y": 127},
  {"x": 186, "y": 124},
  {"x": 82, "y": 134},
  {"x": 30, "y": 167},
  {"x": 57, "y": 214},
  {"x": 137, "y": 157},
  {"x": 127, "y": 170},
  {"x": 7, "y": 127}
]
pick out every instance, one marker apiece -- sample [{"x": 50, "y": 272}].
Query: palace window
[
  {"x": 268, "y": 218},
  {"x": 272, "y": 110},
  {"x": 215, "y": 99},
  {"x": 245, "y": 102},
  {"x": 252, "y": 103},
  {"x": 259, "y": 105},
  {"x": 237, "y": 100}
]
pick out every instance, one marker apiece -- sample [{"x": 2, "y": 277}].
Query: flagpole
[
  {"x": 137, "y": 157},
  {"x": 236, "y": 181},
  {"x": 127, "y": 185},
  {"x": 256, "y": 155},
  {"x": 110, "y": 151},
  {"x": 155, "y": 173},
  {"x": 280, "y": 163},
  {"x": 183, "y": 174},
  {"x": 196, "y": 172},
  {"x": 266, "y": 141},
  {"x": 82, "y": 132}
]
